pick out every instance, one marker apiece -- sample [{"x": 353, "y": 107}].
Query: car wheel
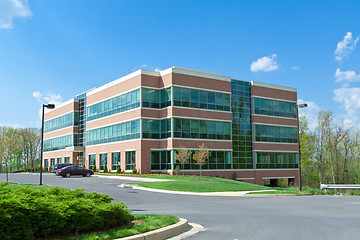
[
  {"x": 68, "y": 174},
  {"x": 88, "y": 174}
]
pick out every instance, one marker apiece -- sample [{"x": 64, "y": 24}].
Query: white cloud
[
  {"x": 10, "y": 9},
  {"x": 37, "y": 95},
  {"x": 345, "y": 47},
  {"x": 346, "y": 76},
  {"x": 264, "y": 64},
  {"x": 295, "y": 67},
  {"x": 13, "y": 125},
  {"x": 157, "y": 70},
  {"x": 350, "y": 102},
  {"x": 46, "y": 99},
  {"x": 311, "y": 113}
]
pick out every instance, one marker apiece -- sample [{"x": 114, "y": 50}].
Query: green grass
[
  {"x": 307, "y": 190},
  {"x": 153, "y": 222},
  {"x": 279, "y": 190},
  {"x": 190, "y": 184}
]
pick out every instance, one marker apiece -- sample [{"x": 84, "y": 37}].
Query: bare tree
[
  {"x": 183, "y": 156},
  {"x": 201, "y": 156}
]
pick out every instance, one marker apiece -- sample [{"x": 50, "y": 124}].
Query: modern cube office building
[{"x": 142, "y": 119}]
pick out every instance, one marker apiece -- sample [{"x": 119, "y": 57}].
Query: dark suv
[{"x": 60, "y": 166}]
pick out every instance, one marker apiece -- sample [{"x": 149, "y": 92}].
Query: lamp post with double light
[
  {"x": 49, "y": 106},
  {"x": 302, "y": 105}
]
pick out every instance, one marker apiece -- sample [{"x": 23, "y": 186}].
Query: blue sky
[{"x": 54, "y": 50}]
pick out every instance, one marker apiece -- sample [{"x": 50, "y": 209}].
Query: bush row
[{"x": 27, "y": 212}]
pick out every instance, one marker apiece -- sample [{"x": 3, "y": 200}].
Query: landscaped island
[{"x": 32, "y": 211}]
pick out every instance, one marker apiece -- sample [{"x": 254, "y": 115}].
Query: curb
[
  {"x": 278, "y": 195},
  {"x": 228, "y": 194},
  {"x": 161, "y": 233}
]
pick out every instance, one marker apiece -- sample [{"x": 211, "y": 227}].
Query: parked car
[
  {"x": 74, "y": 170},
  {"x": 59, "y": 166}
]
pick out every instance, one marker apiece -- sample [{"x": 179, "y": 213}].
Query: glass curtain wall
[{"x": 241, "y": 125}]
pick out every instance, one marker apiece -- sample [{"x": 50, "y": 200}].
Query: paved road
[{"x": 295, "y": 218}]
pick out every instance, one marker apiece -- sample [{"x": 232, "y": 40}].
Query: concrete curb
[
  {"x": 228, "y": 194},
  {"x": 278, "y": 195},
  {"x": 135, "y": 179},
  {"x": 161, "y": 233}
]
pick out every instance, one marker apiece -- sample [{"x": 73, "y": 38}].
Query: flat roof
[{"x": 179, "y": 70}]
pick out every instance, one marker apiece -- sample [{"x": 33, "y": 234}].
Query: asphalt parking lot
[{"x": 229, "y": 217}]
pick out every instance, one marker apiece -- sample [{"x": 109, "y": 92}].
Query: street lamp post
[
  {"x": 49, "y": 106},
  {"x": 303, "y": 105}
]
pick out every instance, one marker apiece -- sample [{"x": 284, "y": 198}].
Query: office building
[{"x": 142, "y": 119}]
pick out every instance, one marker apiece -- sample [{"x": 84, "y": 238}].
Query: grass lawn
[
  {"x": 307, "y": 190},
  {"x": 153, "y": 222},
  {"x": 192, "y": 184},
  {"x": 279, "y": 190}
]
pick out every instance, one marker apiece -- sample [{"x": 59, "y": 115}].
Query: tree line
[
  {"x": 330, "y": 154},
  {"x": 19, "y": 149}
]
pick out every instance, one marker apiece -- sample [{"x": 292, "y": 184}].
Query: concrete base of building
[{"x": 256, "y": 176}]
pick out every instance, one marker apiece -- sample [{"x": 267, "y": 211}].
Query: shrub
[
  {"x": 234, "y": 177},
  {"x": 105, "y": 169},
  {"x": 93, "y": 168},
  {"x": 118, "y": 170},
  {"x": 28, "y": 213},
  {"x": 177, "y": 170},
  {"x": 134, "y": 171}
]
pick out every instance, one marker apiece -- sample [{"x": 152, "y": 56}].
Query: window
[
  {"x": 124, "y": 102},
  {"x": 63, "y": 121},
  {"x": 203, "y": 129},
  {"x": 156, "y": 129},
  {"x": 59, "y": 160},
  {"x": 195, "y": 98},
  {"x": 276, "y": 160},
  {"x": 52, "y": 162},
  {"x": 60, "y": 142},
  {"x": 92, "y": 161},
  {"x": 160, "y": 160},
  {"x": 154, "y": 98},
  {"x": 130, "y": 160},
  {"x": 274, "y": 107},
  {"x": 67, "y": 159},
  {"x": 46, "y": 163},
  {"x": 268, "y": 133},
  {"x": 114, "y": 133},
  {"x": 115, "y": 158},
  {"x": 103, "y": 160},
  {"x": 217, "y": 160}
]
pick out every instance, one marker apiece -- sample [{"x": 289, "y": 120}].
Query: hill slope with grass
[{"x": 205, "y": 184}]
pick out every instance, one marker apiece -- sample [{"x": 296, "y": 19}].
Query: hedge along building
[{"x": 140, "y": 120}]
